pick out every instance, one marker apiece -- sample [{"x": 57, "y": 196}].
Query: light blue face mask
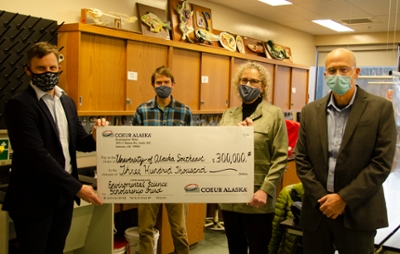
[{"x": 339, "y": 84}]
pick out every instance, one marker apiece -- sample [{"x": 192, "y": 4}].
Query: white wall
[
  {"x": 223, "y": 18},
  {"x": 366, "y": 55}
]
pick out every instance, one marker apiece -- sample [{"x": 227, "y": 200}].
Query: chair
[{"x": 213, "y": 222}]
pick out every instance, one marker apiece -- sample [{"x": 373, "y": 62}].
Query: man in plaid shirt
[{"x": 163, "y": 110}]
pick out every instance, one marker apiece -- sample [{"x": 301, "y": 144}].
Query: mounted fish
[
  {"x": 154, "y": 22},
  {"x": 203, "y": 35},
  {"x": 104, "y": 18},
  {"x": 185, "y": 20},
  {"x": 276, "y": 51},
  {"x": 256, "y": 48}
]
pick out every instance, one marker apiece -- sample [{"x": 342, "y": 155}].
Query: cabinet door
[
  {"x": 195, "y": 220},
  {"x": 214, "y": 93},
  {"x": 101, "y": 79},
  {"x": 142, "y": 58},
  {"x": 282, "y": 87},
  {"x": 290, "y": 175},
  {"x": 234, "y": 97},
  {"x": 270, "y": 89},
  {"x": 185, "y": 66},
  {"x": 299, "y": 89}
]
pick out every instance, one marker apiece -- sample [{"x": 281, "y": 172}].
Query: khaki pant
[{"x": 177, "y": 220}]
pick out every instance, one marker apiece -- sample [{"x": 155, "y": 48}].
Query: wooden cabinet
[
  {"x": 185, "y": 66},
  {"x": 214, "y": 90},
  {"x": 142, "y": 58},
  {"x": 291, "y": 88},
  {"x": 93, "y": 71},
  {"x": 289, "y": 176},
  {"x": 194, "y": 225},
  {"x": 282, "y": 87},
  {"x": 299, "y": 89},
  {"x": 98, "y": 60}
]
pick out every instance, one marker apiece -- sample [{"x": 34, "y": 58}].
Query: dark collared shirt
[{"x": 174, "y": 114}]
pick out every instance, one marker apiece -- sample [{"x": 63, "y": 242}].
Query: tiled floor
[{"x": 214, "y": 242}]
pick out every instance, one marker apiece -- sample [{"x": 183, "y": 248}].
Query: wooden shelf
[
  {"x": 134, "y": 36},
  {"x": 98, "y": 58}
]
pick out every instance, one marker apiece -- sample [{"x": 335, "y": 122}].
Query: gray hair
[{"x": 264, "y": 74}]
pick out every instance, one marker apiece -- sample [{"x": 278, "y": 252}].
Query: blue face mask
[
  {"x": 339, "y": 84},
  {"x": 163, "y": 91}
]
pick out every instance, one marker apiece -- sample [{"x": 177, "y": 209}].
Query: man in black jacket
[{"x": 45, "y": 133}]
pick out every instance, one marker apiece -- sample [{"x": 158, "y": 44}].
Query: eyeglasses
[
  {"x": 253, "y": 82},
  {"x": 341, "y": 70}
]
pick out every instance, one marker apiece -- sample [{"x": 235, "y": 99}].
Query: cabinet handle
[
  {"x": 202, "y": 102},
  {"x": 128, "y": 101},
  {"x": 227, "y": 102},
  {"x": 80, "y": 100}
]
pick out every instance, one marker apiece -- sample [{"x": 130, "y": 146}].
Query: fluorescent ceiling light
[
  {"x": 275, "y": 2},
  {"x": 332, "y": 25}
]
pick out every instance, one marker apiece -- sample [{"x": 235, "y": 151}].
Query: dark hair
[
  {"x": 164, "y": 71},
  {"x": 41, "y": 49}
]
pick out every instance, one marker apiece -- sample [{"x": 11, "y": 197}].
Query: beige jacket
[{"x": 270, "y": 152}]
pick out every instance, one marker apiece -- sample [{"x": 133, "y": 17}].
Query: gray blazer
[{"x": 364, "y": 161}]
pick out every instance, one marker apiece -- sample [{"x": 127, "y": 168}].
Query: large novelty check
[{"x": 137, "y": 164}]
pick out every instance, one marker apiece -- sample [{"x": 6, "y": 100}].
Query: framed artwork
[
  {"x": 203, "y": 27},
  {"x": 253, "y": 46},
  {"x": 181, "y": 20},
  {"x": 153, "y": 21},
  {"x": 277, "y": 51},
  {"x": 192, "y": 23}
]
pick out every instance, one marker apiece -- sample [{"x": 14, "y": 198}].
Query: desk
[
  {"x": 393, "y": 243},
  {"x": 91, "y": 230},
  {"x": 385, "y": 237}
]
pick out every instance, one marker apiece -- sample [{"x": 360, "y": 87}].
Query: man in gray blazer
[{"x": 344, "y": 153}]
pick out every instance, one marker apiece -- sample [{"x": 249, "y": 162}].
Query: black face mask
[
  {"x": 248, "y": 93},
  {"x": 163, "y": 91},
  {"x": 45, "y": 81}
]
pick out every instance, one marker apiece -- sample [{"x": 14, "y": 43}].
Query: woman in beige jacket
[{"x": 248, "y": 225}]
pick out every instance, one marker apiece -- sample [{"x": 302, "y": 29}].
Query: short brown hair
[
  {"x": 41, "y": 49},
  {"x": 164, "y": 71}
]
